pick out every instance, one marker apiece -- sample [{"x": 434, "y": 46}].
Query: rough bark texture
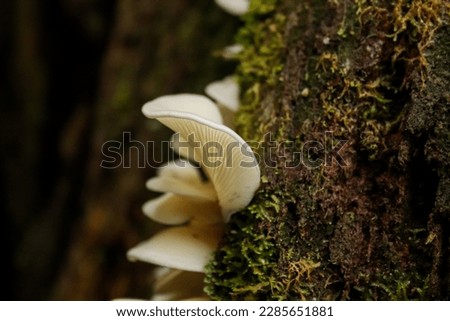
[{"x": 354, "y": 202}]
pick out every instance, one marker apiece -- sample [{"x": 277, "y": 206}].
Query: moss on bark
[{"x": 354, "y": 204}]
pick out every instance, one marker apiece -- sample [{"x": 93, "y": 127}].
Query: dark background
[{"x": 74, "y": 75}]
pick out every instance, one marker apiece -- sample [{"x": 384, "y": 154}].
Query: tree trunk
[{"x": 355, "y": 200}]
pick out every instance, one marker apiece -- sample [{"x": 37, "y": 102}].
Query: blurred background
[{"x": 74, "y": 75}]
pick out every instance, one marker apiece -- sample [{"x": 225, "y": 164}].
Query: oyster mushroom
[
  {"x": 173, "y": 209},
  {"x": 231, "y": 167},
  {"x": 187, "y": 248},
  {"x": 202, "y": 206},
  {"x": 181, "y": 178},
  {"x": 226, "y": 94}
]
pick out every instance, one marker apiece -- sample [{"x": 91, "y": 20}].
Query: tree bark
[{"x": 355, "y": 196}]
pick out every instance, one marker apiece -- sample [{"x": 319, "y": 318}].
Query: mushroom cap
[
  {"x": 231, "y": 167},
  {"x": 174, "y": 209},
  {"x": 197, "y": 106},
  {"x": 182, "y": 178},
  {"x": 225, "y": 92},
  {"x": 187, "y": 248},
  {"x": 234, "y": 7}
]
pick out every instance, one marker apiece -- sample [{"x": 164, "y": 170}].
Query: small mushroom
[
  {"x": 187, "y": 248},
  {"x": 172, "y": 209},
  {"x": 226, "y": 94},
  {"x": 231, "y": 166},
  {"x": 181, "y": 178},
  {"x": 180, "y": 249},
  {"x": 234, "y": 7},
  {"x": 197, "y": 106}
]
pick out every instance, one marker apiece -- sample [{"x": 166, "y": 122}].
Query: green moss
[
  {"x": 243, "y": 266},
  {"x": 396, "y": 285},
  {"x": 261, "y": 61},
  {"x": 261, "y": 7},
  {"x": 249, "y": 258}
]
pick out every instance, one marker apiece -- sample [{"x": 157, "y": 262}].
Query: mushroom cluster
[{"x": 196, "y": 207}]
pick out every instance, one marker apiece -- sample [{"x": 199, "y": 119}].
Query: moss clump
[
  {"x": 359, "y": 226},
  {"x": 261, "y": 62},
  {"x": 242, "y": 267}
]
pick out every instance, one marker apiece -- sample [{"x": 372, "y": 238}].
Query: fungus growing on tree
[{"x": 197, "y": 208}]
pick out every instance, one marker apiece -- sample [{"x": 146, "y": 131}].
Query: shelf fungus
[
  {"x": 195, "y": 206},
  {"x": 234, "y": 7}
]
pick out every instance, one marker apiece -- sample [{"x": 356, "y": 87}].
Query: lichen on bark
[{"x": 367, "y": 215}]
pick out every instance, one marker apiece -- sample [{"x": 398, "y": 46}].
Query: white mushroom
[
  {"x": 198, "y": 106},
  {"x": 201, "y": 205},
  {"x": 189, "y": 199},
  {"x": 181, "y": 178},
  {"x": 226, "y": 94},
  {"x": 187, "y": 248},
  {"x": 231, "y": 166},
  {"x": 234, "y": 7},
  {"x": 172, "y": 209}
]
